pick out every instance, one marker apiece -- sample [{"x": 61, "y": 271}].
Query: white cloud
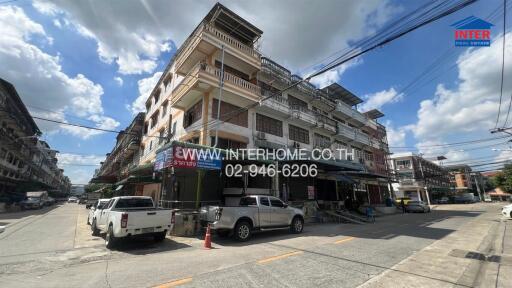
[
  {"x": 133, "y": 34},
  {"x": 334, "y": 75},
  {"x": 119, "y": 81},
  {"x": 472, "y": 106},
  {"x": 57, "y": 23},
  {"x": 39, "y": 79},
  {"x": 71, "y": 163},
  {"x": 396, "y": 135},
  {"x": 146, "y": 86},
  {"x": 379, "y": 99}
]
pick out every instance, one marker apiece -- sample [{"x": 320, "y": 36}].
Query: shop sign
[{"x": 183, "y": 157}]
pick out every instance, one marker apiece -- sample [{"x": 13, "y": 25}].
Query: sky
[{"x": 95, "y": 62}]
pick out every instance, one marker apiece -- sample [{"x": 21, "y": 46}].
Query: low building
[{"x": 418, "y": 178}]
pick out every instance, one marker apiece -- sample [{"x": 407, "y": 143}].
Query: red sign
[{"x": 183, "y": 157}]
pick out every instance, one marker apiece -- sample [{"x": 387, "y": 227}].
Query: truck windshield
[{"x": 134, "y": 203}]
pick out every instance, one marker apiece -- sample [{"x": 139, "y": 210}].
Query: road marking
[
  {"x": 175, "y": 283},
  {"x": 344, "y": 240},
  {"x": 273, "y": 258}
]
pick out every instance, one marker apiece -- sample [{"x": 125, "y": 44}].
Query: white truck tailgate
[{"x": 148, "y": 220}]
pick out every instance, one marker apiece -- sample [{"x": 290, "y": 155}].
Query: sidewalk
[{"x": 462, "y": 258}]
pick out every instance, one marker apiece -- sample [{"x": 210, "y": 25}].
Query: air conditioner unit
[{"x": 261, "y": 135}]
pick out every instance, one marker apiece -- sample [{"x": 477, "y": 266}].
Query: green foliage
[{"x": 503, "y": 179}]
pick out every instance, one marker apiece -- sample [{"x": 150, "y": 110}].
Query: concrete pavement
[{"x": 395, "y": 251}]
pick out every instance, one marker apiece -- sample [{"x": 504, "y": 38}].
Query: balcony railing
[
  {"x": 275, "y": 101},
  {"x": 322, "y": 143},
  {"x": 325, "y": 122},
  {"x": 215, "y": 35},
  {"x": 232, "y": 41},
  {"x": 346, "y": 131},
  {"x": 275, "y": 70},
  {"x": 230, "y": 78},
  {"x": 350, "y": 112},
  {"x": 303, "y": 113}
]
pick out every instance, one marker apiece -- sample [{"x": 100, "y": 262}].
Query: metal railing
[
  {"x": 275, "y": 70},
  {"x": 225, "y": 38},
  {"x": 350, "y": 112}
]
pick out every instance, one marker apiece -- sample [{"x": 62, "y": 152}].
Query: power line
[
  {"x": 356, "y": 52},
  {"x": 453, "y": 143},
  {"x": 502, "y": 63}
]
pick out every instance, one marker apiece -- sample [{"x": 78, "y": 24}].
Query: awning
[{"x": 345, "y": 179}]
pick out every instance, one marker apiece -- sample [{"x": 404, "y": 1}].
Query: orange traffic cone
[{"x": 208, "y": 238}]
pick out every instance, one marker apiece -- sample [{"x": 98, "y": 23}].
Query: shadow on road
[
  {"x": 418, "y": 225},
  {"x": 25, "y": 213},
  {"x": 146, "y": 245}
]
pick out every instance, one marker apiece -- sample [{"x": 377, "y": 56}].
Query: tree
[{"x": 503, "y": 179}]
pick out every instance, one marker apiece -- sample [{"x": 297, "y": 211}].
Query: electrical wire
[{"x": 502, "y": 63}]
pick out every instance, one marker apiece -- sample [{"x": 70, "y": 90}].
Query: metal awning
[
  {"x": 374, "y": 114},
  {"x": 336, "y": 91}
]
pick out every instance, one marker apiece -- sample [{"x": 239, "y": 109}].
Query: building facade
[
  {"x": 26, "y": 163},
  {"x": 219, "y": 74},
  {"x": 418, "y": 178}
]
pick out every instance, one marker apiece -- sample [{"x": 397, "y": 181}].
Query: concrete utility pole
[
  {"x": 424, "y": 181},
  {"x": 477, "y": 186}
]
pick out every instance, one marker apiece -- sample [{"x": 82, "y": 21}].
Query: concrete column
[
  {"x": 419, "y": 193},
  {"x": 203, "y": 140}
]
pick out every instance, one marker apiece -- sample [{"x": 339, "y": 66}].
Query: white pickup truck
[
  {"x": 130, "y": 216},
  {"x": 256, "y": 212}
]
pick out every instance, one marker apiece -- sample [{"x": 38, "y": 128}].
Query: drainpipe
[{"x": 221, "y": 87}]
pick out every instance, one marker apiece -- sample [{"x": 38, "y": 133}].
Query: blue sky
[{"x": 64, "y": 58}]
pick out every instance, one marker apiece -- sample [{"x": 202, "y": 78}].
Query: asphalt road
[{"x": 53, "y": 248}]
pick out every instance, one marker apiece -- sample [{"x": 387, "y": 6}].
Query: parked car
[
  {"x": 253, "y": 213},
  {"x": 465, "y": 198},
  {"x": 443, "y": 200},
  {"x": 32, "y": 203},
  {"x": 417, "y": 206},
  {"x": 50, "y": 201},
  {"x": 128, "y": 216},
  {"x": 398, "y": 201},
  {"x": 72, "y": 199},
  {"x": 96, "y": 208},
  {"x": 507, "y": 211}
]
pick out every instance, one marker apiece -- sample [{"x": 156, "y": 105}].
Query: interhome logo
[{"x": 472, "y": 31}]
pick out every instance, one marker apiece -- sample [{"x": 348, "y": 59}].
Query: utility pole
[{"x": 424, "y": 181}]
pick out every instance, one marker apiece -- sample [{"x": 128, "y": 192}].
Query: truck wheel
[
  {"x": 243, "y": 231},
  {"x": 94, "y": 228},
  {"x": 110, "y": 239},
  {"x": 297, "y": 225},
  {"x": 160, "y": 236}
]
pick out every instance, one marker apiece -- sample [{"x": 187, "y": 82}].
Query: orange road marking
[
  {"x": 174, "y": 283},
  {"x": 344, "y": 240},
  {"x": 273, "y": 258}
]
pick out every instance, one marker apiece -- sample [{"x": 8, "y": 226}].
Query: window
[
  {"x": 154, "y": 120},
  {"x": 164, "y": 109},
  {"x": 298, "y": 134},
  {"x": 246, "y": 201},
  {"x": 322, "y": 141},
  {"x": 193, "y": 114},
  {"x": 161, "y": 136},
  {"x": 150, "y": 145},
  {"x": 228, "y": 143},
  {"x": 276, "y": 202},
  {"x": 174, "y": 128},
  {"x": 134, "y": 203},
  {"x": 157, "y": 95},
  {"x": 296, "y": 103},
  {"x": 269, "y": 125},
  {"x": 230, "y": 113},
  {"x": 264, "y": 201},
  {"x": 403, "y": 163},
  {"x": 233, "y": 71},
  {"x": 109, "y": 205}
]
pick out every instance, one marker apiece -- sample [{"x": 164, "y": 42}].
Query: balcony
[
  {"x": 275, "y": 72},
  {"x": 345, "y": 112},
  {"x": 205, "y": 39},
  {"x": 275, "y": 104},
  {"x": 322, "y": 143},
  {"x": 345, "y": 132},
  {"x": 326, "y": 124},
  {"x": 362, "y": 138},
  {"x": 302, "y": 116},
  {"x": 200, "y": 80},
  {"x": 321, "y": 100}
]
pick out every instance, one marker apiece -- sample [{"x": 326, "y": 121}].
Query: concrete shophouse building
[
  {"x": 26, "y": 163},
  {"x": 184, "y": 105},
  {"x": 419, "y": 178}
]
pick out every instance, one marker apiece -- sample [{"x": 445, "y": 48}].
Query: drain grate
[{"x": 500, "y": 259}]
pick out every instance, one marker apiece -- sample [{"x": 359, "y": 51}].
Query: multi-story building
[
  {"x": 26, "y": 163},
  {"x": 123, "y": 157},
  {"x": 255, "y": 112},
  {"x": 460, "y": 177},
  {"x": 418, "y": 178}
]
